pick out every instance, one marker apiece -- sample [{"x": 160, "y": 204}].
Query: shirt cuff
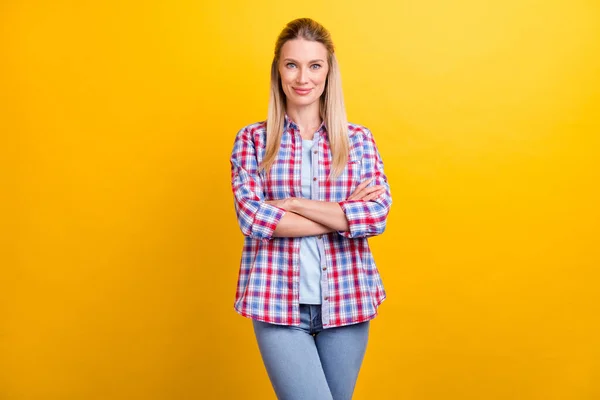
[
  {"x": 351, "y": 208},
  {"x": 266, "y": 220}
]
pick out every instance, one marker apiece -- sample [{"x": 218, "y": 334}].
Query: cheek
[
  {"x": 321, "y": 83},
  {"x": 322, "y": 78},
  {"x": 286, "y": 77}
]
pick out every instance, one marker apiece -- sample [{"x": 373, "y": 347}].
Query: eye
[
  {"x": 290, "y": 65},
  {"x": 316, "y": 66}
]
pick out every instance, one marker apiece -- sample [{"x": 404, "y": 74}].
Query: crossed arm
[{"x": 313, "y": 217}]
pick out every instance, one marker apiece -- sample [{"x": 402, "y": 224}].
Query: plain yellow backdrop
[{"x": 120, "y": 248}]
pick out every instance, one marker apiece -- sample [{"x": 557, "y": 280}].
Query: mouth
[{"x": 302, "y": 92}]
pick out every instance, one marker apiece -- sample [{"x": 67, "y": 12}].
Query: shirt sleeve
[
  {"x": 256, "y": 218},
  {"x": 368, "y": 218}
]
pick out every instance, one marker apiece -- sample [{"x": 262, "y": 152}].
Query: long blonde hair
[{"x": 331, "y": 103}]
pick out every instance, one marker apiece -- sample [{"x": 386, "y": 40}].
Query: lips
[{"x": 302, "y": 92}]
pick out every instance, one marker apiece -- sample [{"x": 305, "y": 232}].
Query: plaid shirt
[{"x": 268, "y": 280}]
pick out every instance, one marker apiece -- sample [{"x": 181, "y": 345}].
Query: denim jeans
[{"x": 308, "y": 362}]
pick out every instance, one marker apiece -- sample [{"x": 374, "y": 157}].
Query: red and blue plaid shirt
[{"x": 269, "y": 275}]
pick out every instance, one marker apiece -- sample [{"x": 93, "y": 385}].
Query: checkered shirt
[{"x": 269, "y": 274}]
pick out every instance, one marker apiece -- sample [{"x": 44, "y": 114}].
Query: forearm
[
  {"x": 294, "y": 225},
  {"x": 325, "y": 213}
]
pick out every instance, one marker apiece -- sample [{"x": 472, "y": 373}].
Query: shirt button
[
  {"x": 315, "y": 178},
  {"x": 320, "y": 237},
  {"x": 324, "y": 268},
  {"x": 315, "y": 152},
  {"x": 325, "y": 298}
]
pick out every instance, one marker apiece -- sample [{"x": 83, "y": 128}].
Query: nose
[{"x": 301, "y": 78}]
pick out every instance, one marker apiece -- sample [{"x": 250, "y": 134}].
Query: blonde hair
[{"x": 331, "y": 102}]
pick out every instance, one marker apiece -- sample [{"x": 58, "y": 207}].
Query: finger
[
  {"x": 368, "y": 191},
  {"x": 354, "y": 196},
  {"x": 369, "y": 198},
  {"x": 372, "y": 189},
  {"x": 364, "y": 183},
  {"x": 366, "y": 197},
  {"x": 374, "y": 196},
  {"x": 358, "y": 191}
]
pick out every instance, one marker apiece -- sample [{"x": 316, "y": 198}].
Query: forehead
[{"x": 303, "y": 50}]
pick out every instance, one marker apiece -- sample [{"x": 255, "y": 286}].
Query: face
[{"x": 303, "y": 69}]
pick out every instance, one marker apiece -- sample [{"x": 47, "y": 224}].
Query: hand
[{"x": 362, "y": 192}]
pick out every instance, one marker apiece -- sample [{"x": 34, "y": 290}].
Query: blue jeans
[{"x": 308, "y": 362}]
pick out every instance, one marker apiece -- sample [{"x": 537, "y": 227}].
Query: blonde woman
[{"x": 309, "y": 189}]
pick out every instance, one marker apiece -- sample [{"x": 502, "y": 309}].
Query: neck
[{"x": 307, "y": 118}]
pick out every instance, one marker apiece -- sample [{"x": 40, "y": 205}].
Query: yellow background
[{"x": 120, "y": 247}]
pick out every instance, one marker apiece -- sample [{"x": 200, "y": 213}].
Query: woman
[{"x": 309, "y": 189}]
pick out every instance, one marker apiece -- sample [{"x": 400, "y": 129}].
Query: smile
[{"x": 302, "y": 92}]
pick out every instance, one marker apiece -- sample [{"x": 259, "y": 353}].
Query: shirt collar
[{"x": 288, "y": 122}]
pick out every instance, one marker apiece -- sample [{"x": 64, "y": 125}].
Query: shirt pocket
[
  {"x": 354, "y": 169},
  {"x": 351, "y": 176}
]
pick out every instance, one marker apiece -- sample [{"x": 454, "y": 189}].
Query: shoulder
[
  {"x": 359, "y": 136},
  {"x": 249, "y": 138},
  {"x": 357, "y": 132},
  {"x": 361, "y": 142},
  {"x": 255, "y": 131}
]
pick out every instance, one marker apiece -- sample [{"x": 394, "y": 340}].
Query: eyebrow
[{"x": 311, "y": 61}]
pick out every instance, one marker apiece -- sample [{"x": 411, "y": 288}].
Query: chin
[{"x": 302, "y": 101}]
